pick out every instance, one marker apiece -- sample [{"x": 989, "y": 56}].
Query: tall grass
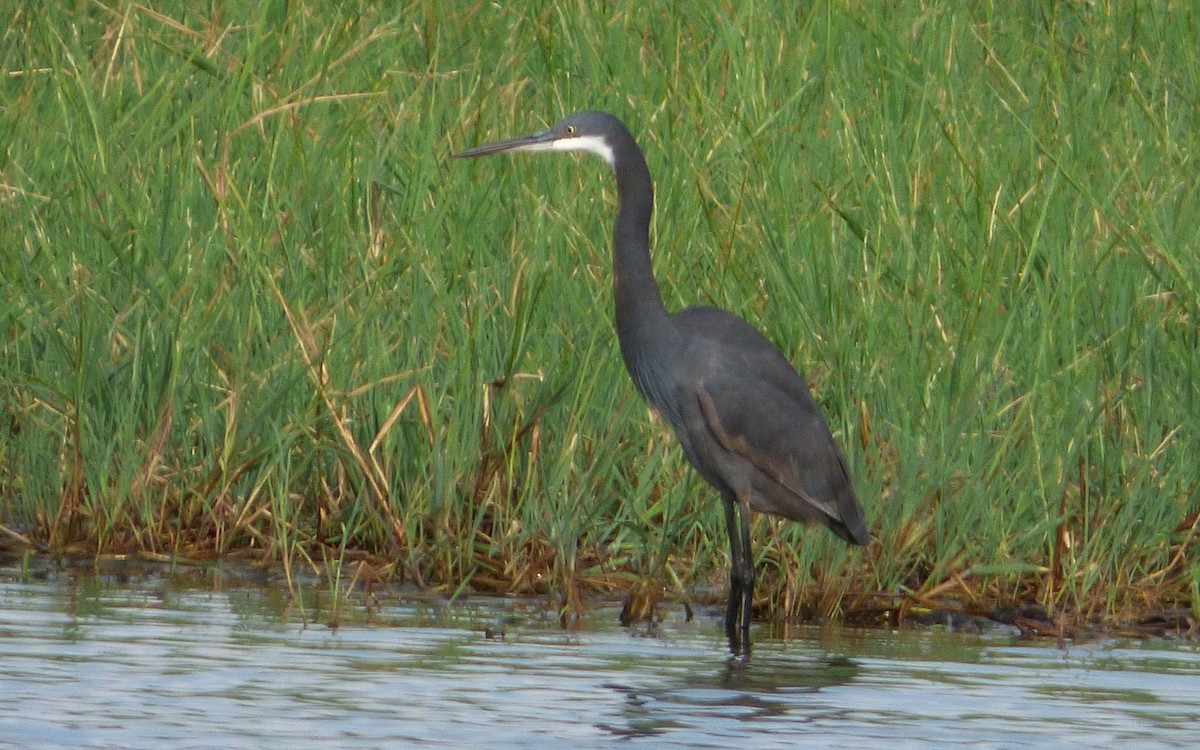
[{"x": 252, "y": 308}]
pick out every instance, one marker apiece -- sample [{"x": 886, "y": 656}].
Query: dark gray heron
[{"x": 743, "y": 415}]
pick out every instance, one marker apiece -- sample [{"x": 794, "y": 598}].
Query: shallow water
[{"x": 148, "y": 658}]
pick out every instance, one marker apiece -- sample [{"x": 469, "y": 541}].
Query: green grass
[{"x": 251, "y": 307}]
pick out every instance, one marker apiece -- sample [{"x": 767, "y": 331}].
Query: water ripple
[{"x": 155, "y": 662}]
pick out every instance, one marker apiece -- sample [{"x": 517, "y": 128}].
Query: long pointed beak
[{"x": 533, "y": 142}]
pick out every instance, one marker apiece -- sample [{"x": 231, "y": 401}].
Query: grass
[{"x": 251, "y": 307}]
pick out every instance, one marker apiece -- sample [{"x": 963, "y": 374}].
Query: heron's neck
[{"x": 638, "y": 301}]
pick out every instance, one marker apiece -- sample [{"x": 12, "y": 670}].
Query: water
[{"x": 146, "y": 658}]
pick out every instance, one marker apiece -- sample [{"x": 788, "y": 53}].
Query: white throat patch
[{"x": 591, "y": 143}]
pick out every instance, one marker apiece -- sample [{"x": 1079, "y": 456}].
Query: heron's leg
[
  {"x": 732, "y": 616},
  {"x": 741, "y": 578},
  {"x": 747, "y": 575}
]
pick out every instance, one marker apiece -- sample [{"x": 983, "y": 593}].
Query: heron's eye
[{"x": 570, "y": 130}]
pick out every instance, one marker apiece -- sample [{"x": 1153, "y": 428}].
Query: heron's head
[{"x": 595, "y": 132}]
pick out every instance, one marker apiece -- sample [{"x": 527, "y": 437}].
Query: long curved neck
[{"x": 638, "y": 301}]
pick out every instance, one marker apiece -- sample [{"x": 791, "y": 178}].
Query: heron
[{"x": 742, "y": 414}]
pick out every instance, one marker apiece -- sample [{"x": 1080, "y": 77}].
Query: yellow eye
[{"x": 570, "y": 130}]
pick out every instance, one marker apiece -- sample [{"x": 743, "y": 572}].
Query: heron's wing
[
  {"x": 777, "y": 428},
  {"x": 754, "y": 405},
  {"x": 741, "y": 442}
]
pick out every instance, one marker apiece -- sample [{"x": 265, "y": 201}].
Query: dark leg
[
  {"x": 735, "y": 593},
  {"x": 747, "y": 576},
  {"x": 741, "y": 580}
]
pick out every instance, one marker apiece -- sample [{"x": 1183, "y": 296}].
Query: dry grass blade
[{"x": 366, "y": 463}]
